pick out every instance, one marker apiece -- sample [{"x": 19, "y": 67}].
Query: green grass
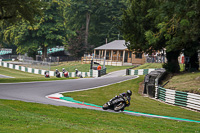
[
  {"x": 187, "y": 82},
  {"x": 20, "y": 117},
  {"x": 20, "y": 76},
  {"x": 149, "y": 65},
  {"x": 138, "y": 103},
  {"x": 72, "y": 65},
  {"x": 17, "y": 116}
]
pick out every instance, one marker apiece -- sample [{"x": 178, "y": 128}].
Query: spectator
[{"x": 99, "y": 67}]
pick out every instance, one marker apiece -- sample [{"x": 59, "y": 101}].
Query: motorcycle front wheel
[
  {"x": 105, "y": 106},
  {"x": 119, "y": 106}
]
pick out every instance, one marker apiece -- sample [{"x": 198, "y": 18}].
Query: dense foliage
[
  {"x": 155, "y": 25},
  {"x": 146, "y": 25},
  {"x": 15, "y": 10},
  {"x": 59, "y": 23},
  {"x": 49, "y": 31}
]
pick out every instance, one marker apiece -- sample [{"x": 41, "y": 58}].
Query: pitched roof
[{"x": 114, "y": 45}]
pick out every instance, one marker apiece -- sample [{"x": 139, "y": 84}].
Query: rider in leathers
[{"x": 127, "y": 94}]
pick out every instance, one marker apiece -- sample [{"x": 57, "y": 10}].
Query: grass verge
[
  {"x": 187, "y": 82},
  {"x": 72, "y": 65},
  {"x": 20, "y": 76},
  {"x": 20, "y": 117},
  {"x": 139, "y": 103}
]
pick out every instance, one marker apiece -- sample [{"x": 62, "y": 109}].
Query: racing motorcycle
[
  {"x": 78, "y": 74},
  {"x": 66, "y": 74},
  {"x": 117, "y": 104}
]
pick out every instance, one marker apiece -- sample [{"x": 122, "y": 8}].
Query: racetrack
[{"x": 37, "y": 91}]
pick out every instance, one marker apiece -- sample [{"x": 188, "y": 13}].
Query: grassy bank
[
  {"x": 20, "y": 76},
  {"x": 72, "y": 65},
  {"x": 20, "y": 117},
  {"x": 187, "y": 82},
  {"x": 138, "y": 103}
]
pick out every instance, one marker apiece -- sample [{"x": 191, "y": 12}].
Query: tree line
[
  {"x": 152, "y": 25},
  {"x": 81, "y": 25}
]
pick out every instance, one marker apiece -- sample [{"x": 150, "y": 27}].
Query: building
[{"x": 116, "y": 54}]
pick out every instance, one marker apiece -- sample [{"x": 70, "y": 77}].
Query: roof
[{"x": 114, "y": 45}]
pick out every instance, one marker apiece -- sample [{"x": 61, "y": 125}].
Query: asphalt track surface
[
  {"x": 38, "y": 92},
  {"x": 4, "y": 76}
]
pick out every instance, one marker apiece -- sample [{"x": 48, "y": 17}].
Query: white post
[
  {"x": 104, "y": 62},
  {"x": 123, "y": 56},
  {"x": 117, "y": 54},
  {"x": 94, "y": 53},
  {"x": 111, "y": 54}
]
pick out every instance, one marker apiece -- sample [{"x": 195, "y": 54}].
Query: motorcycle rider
[
  {"x": 63, "y": 70},
  {"x": 65, "y": 73},
  {"x": 127, "y": 94},
  {"x": 57, "y": 73},
  {"x": 78, "y": 74},
  {"x": 76, "y": 71},
  {"x": 46, "y": 74}
]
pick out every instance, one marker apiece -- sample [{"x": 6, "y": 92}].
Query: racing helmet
[{"x": 129, "y": 92}]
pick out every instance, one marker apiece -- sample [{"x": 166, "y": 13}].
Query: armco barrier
[
  {"x": 139, "y": 71},
  {"x": 91, "y": 73},
  {"x": 188, "y": 100},
  {"x": 179, "y": 98}
]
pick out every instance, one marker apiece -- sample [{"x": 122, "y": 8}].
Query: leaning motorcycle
[
  {"x": 117, "y": 104},
  {"x": 66, "y": 74}
]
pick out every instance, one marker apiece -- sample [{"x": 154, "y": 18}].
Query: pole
[
  {"x": 104, "y": 62},
  {"x": 91, "y": 64}
]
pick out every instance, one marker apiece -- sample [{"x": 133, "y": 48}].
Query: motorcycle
[
  {"x": 46, "y": 75},
  {"x": 78, "y": 74},
  {"x": 58, "y": 75},
  {"x": 117, "y": 104},
  {"x": 66, "y": 74}
]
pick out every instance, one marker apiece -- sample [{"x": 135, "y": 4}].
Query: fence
[
  {"x": 38, "y": 64},
  {"x": 188, "y": 100},
  {"x": 179, "y": 98},
  {"x": 100, "y": 60},
  {"x": 91, "y": 73},
  {"x": 156, "y": 59},
  {"x": 139, "y": 71}
]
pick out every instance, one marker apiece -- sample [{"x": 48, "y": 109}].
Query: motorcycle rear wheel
[{"x": 119, "y": 107}]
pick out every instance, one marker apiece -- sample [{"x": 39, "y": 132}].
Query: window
[
  {"x": 130, "y": 54},
  {"x": 121, "y": 53},
  {"x": 138, "y": 55}
]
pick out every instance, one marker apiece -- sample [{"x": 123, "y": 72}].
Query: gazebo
[{"x": 116, "y": 53}]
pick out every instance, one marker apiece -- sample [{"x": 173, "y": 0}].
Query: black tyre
[
  {"x": 105, "y": 106},
  {"x": 120, "y": 106}
]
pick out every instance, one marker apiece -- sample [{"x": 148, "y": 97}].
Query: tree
[
  {"x": 100, "y": 19},
  {"x": 50, "y": 31},
  {"x": 179, "y": 27},
  {"x": 154, "y": 25},
  {"x": 82, "y": 10},
  {"x": 104, "y": 24},
  {"x": 14, "y": 10},
  {"x": 135, "y": 23},
  {"x": 76, "y": 45}
]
